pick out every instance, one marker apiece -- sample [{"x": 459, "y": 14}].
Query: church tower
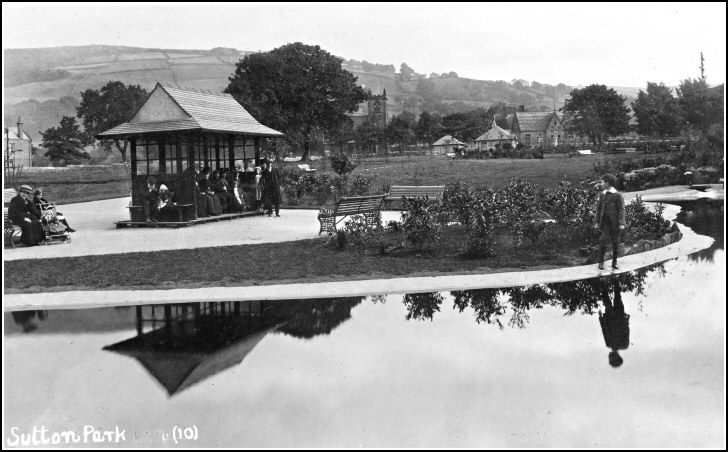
[{"x": 377, "y": 109}]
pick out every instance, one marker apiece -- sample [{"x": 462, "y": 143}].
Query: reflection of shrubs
[{"x": 422, "y": 306}]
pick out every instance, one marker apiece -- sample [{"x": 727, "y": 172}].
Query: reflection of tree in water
[
  {"x": 490, "y": 305},
  {"x": 422, "y": 306},
  {"x": 704, "y": 220},
  {"x": 318, "y": 316}
]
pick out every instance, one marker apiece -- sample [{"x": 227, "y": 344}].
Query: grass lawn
[
  {"x": 77, "y": 185},
  {"x": 311, "y": 260},
  {"x": 495, "y": 173}
]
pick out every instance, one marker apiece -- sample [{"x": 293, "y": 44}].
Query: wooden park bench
[
  {"x": 396, "y": 192},
  {"x": 137, "y": 212},
  {"x": 368, "y": 206},
  {"x": 306, "y": 168}
]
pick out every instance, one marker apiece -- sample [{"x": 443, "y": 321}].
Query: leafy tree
[
  {"x": 701, "y": 106},
  {"x": 298, "y": 89},
  {"x": 368, "y": 136},
  {"x": 597, "y": 112},
  {"x": 104, "y": 109},
  {"x": 406, "y": 72},
  {"x": 66, "y": 142},
  {"x": 401, "y": 130},
  {"x": 342, "y": 164},
  {"x": 469, "y": 125},
  {"x": 434, "y": 75},
  {"x": 657, "y": 111},
  {"x": 429, "y": 127},
  {"x": 452, "y": 74}
]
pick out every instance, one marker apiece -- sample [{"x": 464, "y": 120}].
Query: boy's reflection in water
[{"x": 615, "y": 323}]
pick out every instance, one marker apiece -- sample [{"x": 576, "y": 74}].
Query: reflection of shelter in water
[
  {"x": 189, "y": 343},
  {"x": 183, "y": 344}
]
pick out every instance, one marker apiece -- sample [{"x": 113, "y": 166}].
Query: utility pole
[{"x": 702, "y": 66}]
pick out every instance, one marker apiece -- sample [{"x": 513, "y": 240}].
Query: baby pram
[{"x": 53, "y": 228}]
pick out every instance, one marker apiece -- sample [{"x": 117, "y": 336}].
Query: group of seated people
[
  {"x": 215, "y": 194},
  {"x": 34, "y": 214}
]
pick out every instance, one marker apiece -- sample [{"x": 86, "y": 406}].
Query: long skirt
[{"x": 32, "y": 233}]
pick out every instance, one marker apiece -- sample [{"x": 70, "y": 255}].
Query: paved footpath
[{"x": 102, "y": 238}]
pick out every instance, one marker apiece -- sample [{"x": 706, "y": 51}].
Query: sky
[{"x": 622, "y": 44}]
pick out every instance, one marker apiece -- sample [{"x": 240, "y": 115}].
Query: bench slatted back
[
  {"x": 431, "y": 191},
  {"x": 358, "y": 204}
]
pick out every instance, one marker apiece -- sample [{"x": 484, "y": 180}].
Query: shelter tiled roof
[
  {"x": 495, "y": 133},
  {"x": 206, "y": 110},
  {"x": 447, "y": 140}
]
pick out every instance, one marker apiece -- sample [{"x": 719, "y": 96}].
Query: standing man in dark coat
[
  {"x": 271, "y": 188},
  {"x": 609, "y": 219},
  {"x": 22, "y": 212}
]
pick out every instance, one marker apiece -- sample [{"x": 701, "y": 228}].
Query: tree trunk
[
  {"x": 306, "y": 156},
  {"x": 306, "y": 146},
  {"x": 122, "y": 150}
]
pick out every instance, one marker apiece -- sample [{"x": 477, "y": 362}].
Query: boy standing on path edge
[{"x": 609, "y": 219}]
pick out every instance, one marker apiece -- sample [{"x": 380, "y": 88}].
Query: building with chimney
[{"x": 17, "y": 146}]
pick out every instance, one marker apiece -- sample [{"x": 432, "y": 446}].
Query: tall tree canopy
[
  {"x": 401, "y": 130},
  {"x": 66, "y": 142},
  {"x": 104, "y": 109},
  {"x": 429, "y": 127},
  {"x": 597, "y": 112},
  {"x": 701, "y": 106},
  {"x": 298, "y": 89},
  {"x": 657, "y": 111}
]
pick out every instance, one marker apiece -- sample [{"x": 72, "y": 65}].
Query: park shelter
[
  {"x": 446, "y": 145},
  {"x": 178, "y": 129}
]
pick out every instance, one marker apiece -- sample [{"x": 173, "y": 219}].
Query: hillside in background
[{"x": 42, "y": 85}]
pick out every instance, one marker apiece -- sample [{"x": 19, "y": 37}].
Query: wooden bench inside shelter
[{"x": 368, "y": 206}]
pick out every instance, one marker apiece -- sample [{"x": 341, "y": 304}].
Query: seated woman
[
  {"x": 237, "y": 203},
  {"x": 149, "y": 196},
  {"x": 22, "y": 212},
  {"x": 219, "y": 186},
  {"x": 43, "y": 204},
  {"x": 165, "y": 205},
  {"x": 214, "y": 206}
]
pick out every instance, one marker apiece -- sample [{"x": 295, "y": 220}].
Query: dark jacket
[
  {"x": 40, "y": 203},
  {"x": 20, "y": 209},
  {"x": 611, "y": 206}
]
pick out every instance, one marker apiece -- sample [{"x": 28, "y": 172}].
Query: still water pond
[{"x": 520, "y": 367}]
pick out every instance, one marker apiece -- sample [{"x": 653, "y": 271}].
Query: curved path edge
[{"x": 690, "y": 243}]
